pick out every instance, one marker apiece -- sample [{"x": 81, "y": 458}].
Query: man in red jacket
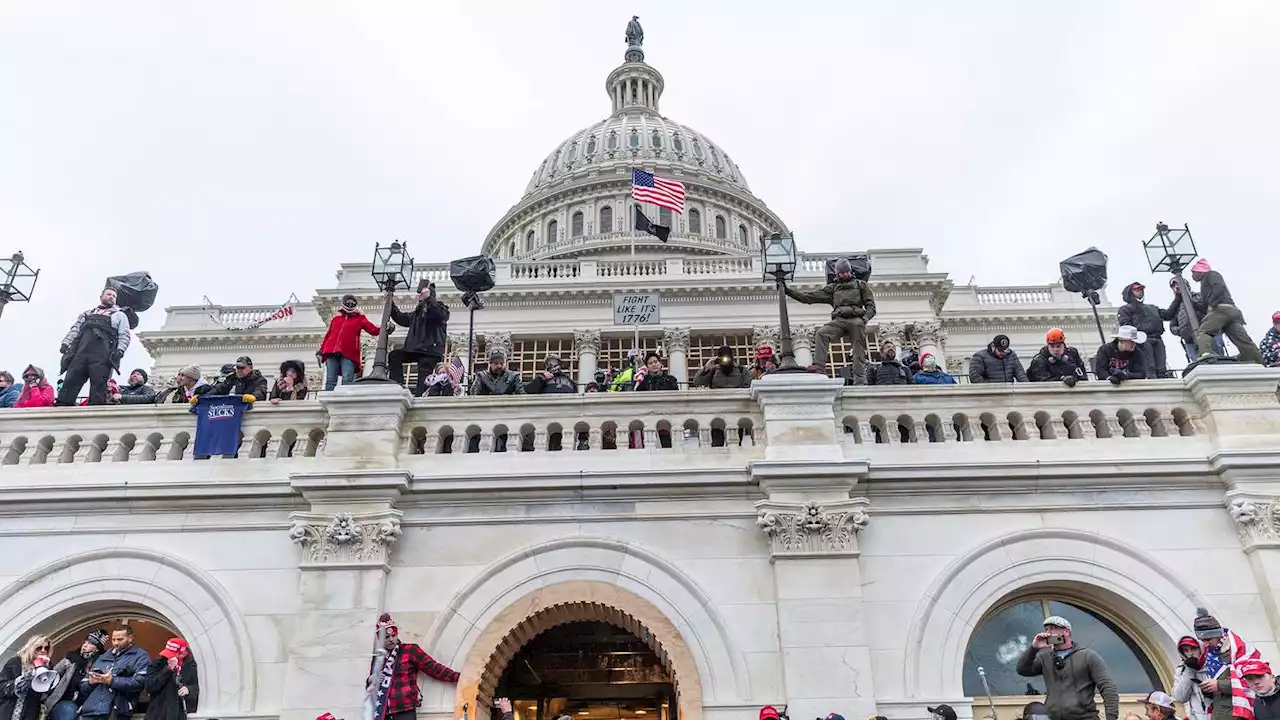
[
  {"x": 398, "y": 696},
  {"x": 340, "y": 349}
]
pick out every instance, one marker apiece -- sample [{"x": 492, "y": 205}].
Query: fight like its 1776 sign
[{"x": 636, "y": 309}]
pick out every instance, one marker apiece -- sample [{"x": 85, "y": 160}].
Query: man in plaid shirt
[{"x": 406, "y": 660}]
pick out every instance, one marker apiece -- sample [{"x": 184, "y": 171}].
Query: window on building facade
[
  {"x": 591, "y": 145},
  {"x": 553, "y": 232},
  {"x": 571, "y": 155},
  {"x": 512, "y": 252},
  {"x": 530, "y": 355},
  {"x": 677, "y": 143},
  {"x": 606, "y": 219},
  {"x": 715, "y": 158},
  {"x": 704, "y": 348},
  {"x": 840, "y": 353},
  {"x": 695, "y": 221},
  {"x": 530, "y": 240},
  {"x": 655, "y": 139},
  {"x": 612, "y": 142},
  {"x": 613, "y": 351},
  {"x": 1007, "y": 631},
  {"x": 634, "y": 140},
  {"x": 697, "y": 149},
  {"x": 722, "y": 228},
  {"x": 742, "y": 234},
  {"x": 576, "y": 224},
  {"x": 664, "y": 216}
]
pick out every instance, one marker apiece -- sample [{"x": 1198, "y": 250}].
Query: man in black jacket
[
  {"x": 497, "y": 380},
  {"x": 1056, "y": 362},
  {"x": 1121, "y": 359},
  {"x": 1258, "y": 676},
  {"x": 888, "y": 371},
  {"x": 91, "y": 351},
  {"x": 244, "y": 380},
  {"x": 1181, "y": 325},
  {"x": 553, "y": 380},
  {"x": 1146, "y": 318},
  {"x": 137, "y": 392},
  {"x": 173, "y": 683},
  {"x": 998, "y": 363},
  {"x": 1223, "y": 316},
  {"x": 428, "y": 325},
  {"x": 655, "y": 375}
]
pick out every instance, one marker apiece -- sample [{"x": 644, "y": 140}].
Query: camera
[
  {"x": 725, "y": 360},
  {"x": 1056, "y": 639}
]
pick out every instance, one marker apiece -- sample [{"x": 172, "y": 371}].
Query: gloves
[
  {"x": 116, "y": 356},
  {"x": 1069, "y": 381},
  {"x": 194, "y": 399},
  {"x": 249, "y": 398},
  {"x": 63, "y": 350},
  {"x": 1116, "y": 379}
]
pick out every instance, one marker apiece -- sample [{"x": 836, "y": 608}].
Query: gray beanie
[{"x": 191, "y": 371}]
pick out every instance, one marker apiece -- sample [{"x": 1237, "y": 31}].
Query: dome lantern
[{"x": 634, "y": 85}]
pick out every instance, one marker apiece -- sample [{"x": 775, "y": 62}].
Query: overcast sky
[{"x": 243, "y": 150}]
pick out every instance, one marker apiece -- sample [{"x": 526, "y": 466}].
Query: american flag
[
  {"x": 1241, "y": 698},
  {"x": 456, "y": 371},
  {"x": 646, "y": 187}
]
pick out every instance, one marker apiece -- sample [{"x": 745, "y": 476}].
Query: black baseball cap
[
  {"x": 946, "y": 712},
  {"x": 244, "y": 361}
]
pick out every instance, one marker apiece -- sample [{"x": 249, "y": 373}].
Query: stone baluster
[
  {"x": 867, "y": 433},
  {"x": 1060, "y": 429},
  {"x": 975, "y": 430},
  {"x": 948, "y": 430},
  {"x": 803, "y": 338},
  {"x": 1031, "y": 428},
  {"x": 922, "y": 432},
  {"x": 1113, "y": 425},
  {"x": 651, "y": 439},
  {"x": 113, "y": 448},
  {"x": 486, "y": 442},
  {"x": 1140, "y": 424},
  {"x": 1088, "y": 430},
  {"x": 1170, "y": 425},
  {"x": 594, "y": 436},
  {"x": 704, "y": 437},
  {"x": 541, "y": 440},
  {"x": 273, "y": 448}
]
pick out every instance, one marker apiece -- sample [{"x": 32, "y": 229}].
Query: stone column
[
  {"x": 346, "y": 539},
  {"x": 932, "y": 336},
  {"x": 676, "y": 341},
  {"x": 802, "y": 339},
  {"x": 811, "y": 523},
  {"x": 587, "y": 344}
]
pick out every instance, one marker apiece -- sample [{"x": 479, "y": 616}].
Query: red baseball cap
[
  {"x": 768, "y": 712},
  {"x": 175, "y": 648},
  {"x": 765, "y": 351},
  {"x": 1253, "y": 667}
]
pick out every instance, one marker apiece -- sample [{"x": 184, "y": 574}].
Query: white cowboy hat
[{"x": 1129, "y": 332}]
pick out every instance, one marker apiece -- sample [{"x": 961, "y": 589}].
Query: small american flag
[
  {"x": 456, "y": 371},
  {"x": 646, "y": 187},
  {"x": 1241, "y": 701}
]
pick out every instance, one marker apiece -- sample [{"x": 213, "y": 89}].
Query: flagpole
[{"x": 634, "y": 204}]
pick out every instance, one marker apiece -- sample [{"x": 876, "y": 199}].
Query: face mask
[{"x": 349, "y": 305}]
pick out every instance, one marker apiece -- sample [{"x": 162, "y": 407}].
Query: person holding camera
[
  {"x": 115, "y": 679},
  {"x": 428, "y": 325},
  {"x": 1072, "y": 674},
  {"x": 18, "y": 699},
  {"x": 722, "y": 372},
  {"x": 552, "y": 380}
]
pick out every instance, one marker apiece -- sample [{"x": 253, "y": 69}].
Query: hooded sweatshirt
[
  {"x": 1139, "y": 314},
  {"x": 39, "y": 395},
  {"x": 9, "y": 395},
  {"x": 1069, "y": 691}
]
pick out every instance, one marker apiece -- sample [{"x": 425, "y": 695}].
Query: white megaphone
[{"x": 44, "y": 678}]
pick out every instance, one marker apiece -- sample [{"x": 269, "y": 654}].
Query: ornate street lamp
[
  {"x": 392, "y": 270},
  {"x": 1171, "y": 251},
  {"x": 18, "y": 282},
  {"x": 779, "y": 256}
]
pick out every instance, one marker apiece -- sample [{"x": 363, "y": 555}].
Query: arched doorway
[
  {"x": 584, "y": 660},
  {"x": 68, "y": 628},
  {"x": 1137, "y": 664}
]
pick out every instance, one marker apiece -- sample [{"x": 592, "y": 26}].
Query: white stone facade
[{"x": 795, "y": 561}]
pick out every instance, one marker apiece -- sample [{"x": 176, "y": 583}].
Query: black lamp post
[
  {"x": 18, "y": 282},
  {"x": 1172, "y": 250},
  {"x": 392, "y": 270},
  {"x": 779, "y": 256}
]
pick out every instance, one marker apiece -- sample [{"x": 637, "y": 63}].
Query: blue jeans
[
  {"x": 335, "y": 364},
  {"x": 64, "y": 710},
  {"x": 1219, "y": 348}
]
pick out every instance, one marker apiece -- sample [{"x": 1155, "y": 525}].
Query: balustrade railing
[{"x": 631, "y": 267}]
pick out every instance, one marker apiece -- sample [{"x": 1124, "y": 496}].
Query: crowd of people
[
  {"x": 108, "y": 677},
  {"x": 92, "y": 350}
]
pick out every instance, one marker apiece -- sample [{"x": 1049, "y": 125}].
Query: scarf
[
  {"x": 20, "y": 692},
  {"x": 384, "y": 683}
]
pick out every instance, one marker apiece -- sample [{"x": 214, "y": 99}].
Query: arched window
[
  {"x": 606, "y": 219},
  {"x": 742, "y": 234},
  {"x": 553, "y": 235},
  {"x": 635, "y": 139},
  {"x": 530, "y": 241},
  {"x": 697, "y": 149},
  {"x": 576, "y": 225},
  {"x": 664, "y": 216},
  {"x": 612, "y": 142},
  {"x": 511, "y": 252},
  {"x": 655, "y": 139},
  {"x": 715, "y": 158},
  {"x": 591, "y": 146},
  {"x": 695, "y": 221},
  {"x": 1006, "y": 632},
  {"x": 571, "y": 155},
  {"x": 722, "y": 229},
  {"x": 677, "y": 143}
]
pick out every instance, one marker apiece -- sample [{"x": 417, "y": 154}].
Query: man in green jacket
[
  {"x": 852, "y": 307},
  {"x": 1072, "y": 674}
]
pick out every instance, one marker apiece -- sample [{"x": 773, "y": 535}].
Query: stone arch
[
  {"x": 560, "y": 614},
  {"x": 193, "y": 603},
  {"x": 603, "y": 571},
  {"x": 1147, "y": 595}
]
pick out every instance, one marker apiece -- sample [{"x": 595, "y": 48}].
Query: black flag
[{"x": 644, "y": 224}]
